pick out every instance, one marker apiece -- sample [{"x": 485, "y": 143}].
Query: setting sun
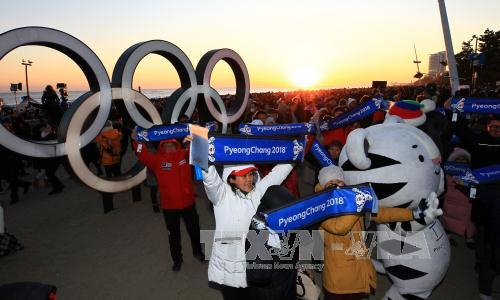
[{"x": 304, "y": 77}]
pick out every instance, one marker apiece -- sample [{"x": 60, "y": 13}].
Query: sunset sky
[{"x": 285, "y": 44}]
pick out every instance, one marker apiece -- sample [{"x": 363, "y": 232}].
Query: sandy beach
[{"x": 70, "y": 243}]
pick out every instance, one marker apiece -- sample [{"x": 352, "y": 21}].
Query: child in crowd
[{"x": 334, "y": 149}]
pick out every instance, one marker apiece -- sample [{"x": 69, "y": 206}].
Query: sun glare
[{"x": 305, "y": 77}]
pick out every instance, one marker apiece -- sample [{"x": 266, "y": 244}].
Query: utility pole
[
  {"x": 27, "y": 63},
  {"x": 450, "y": 55}
]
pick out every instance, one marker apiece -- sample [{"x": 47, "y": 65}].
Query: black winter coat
[
  {"x": 274, "y": 279},
  {"x": 485, "y": 151}
]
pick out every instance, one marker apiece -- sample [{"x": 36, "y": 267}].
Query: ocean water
[{"x": 10, "y": 98}]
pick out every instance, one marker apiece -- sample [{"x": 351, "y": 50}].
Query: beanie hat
[
  {"x": 411, "y": 111},
  {"x": 459, "y": 152},
  {"x": 329, "y": 173},
  {"x": 256, "y": 122},
  {"x": 276, "y": 196}
]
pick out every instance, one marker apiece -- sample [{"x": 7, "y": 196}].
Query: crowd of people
[{"x": 238, "y": 192}]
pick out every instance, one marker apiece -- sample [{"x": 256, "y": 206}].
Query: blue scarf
[
  {"x": 321, "y": 155},
  {"x": 282, "y": 129},
  {"x": 456, "y": 169},
  {"x": 354, "y": 115},
  {"x": 235, "y": 149},
  {"x": 476, "y": 105},
  {"x": 484, "y": 175},
  {"x": 340, "y": 201},
  {"x": 166, "y": 132}
]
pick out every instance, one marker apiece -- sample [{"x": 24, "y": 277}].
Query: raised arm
[
  {"x": 141, "y": 151},
  {"x": 143, "y": 155},
  {"x": 215, "y": 188}
]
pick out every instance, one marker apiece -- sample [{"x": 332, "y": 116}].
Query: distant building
[{"x": 435, "y": 65}]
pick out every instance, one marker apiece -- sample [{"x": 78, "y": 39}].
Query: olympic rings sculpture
[{"x": 194, "y": 82}]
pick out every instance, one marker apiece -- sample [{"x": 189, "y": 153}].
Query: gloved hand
[
  {"x": 427, "y": 210},
  {"x": 258, "y": 222}
]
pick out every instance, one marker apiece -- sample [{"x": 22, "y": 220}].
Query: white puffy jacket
[{"x": 233, "y": 213}]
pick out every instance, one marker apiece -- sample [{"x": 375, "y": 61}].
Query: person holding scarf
[
  {"x": 235, "y": 197},
  {"x": 170, "y": 165},
  {"x": 349, "y": 272},
  {"x": 485, "y": 151}
]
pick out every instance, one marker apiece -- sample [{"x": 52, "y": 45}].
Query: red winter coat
[
  {"x": 338, "y": 134},
  {"x": 173, "y": 173}
]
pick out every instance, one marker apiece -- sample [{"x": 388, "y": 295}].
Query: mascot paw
[
  {"x": 427, "y": 210},
  {"x": 432, "y": 211}
]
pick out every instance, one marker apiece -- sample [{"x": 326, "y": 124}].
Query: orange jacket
[
  {"x": 348, "y": 267},
  {"x": 110, "y": 146}
]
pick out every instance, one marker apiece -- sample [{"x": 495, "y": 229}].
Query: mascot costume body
[{"x": 402, "y": 163}]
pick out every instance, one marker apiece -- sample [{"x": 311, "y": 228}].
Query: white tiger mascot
[{"x": 402, "y": 163}]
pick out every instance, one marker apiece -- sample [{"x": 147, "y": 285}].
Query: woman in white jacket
[{"x": 235, "y": 198}]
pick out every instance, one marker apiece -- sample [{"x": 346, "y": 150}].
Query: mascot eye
[
  {"x": 414, "y": 146},
  {"x": 421, "y": 158}
]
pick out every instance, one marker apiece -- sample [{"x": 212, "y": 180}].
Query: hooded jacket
[
  {"x": 233, "y": 212},
  {"x": 173, "y": 173},
  {"x": 109, "y": 142}
]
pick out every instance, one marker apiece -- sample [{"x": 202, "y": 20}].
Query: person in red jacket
[{"x": 170, "y": 164}]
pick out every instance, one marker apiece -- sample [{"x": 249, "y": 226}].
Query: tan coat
[{"x": 348, "y": 268}]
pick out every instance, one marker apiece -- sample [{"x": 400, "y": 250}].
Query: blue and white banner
[
  {"x": 165, "y": 132},
  {"x": 282, "y": 129},
  {"x": 252, "y": 149},
  {"x": 483, "y": 175},
  {"x": 476, "y": 105},
  {"x": 456, "y": 169},
  {"x": 322, "y": 155},
  {"x": 318, "y": 207},
  {"x": 354, "y": 115}
]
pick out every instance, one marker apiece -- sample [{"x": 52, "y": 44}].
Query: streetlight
[
  {"x": 416, "y": 61},
  {"x": 27, "y": 63}
]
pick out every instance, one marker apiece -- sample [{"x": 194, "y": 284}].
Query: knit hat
[
  {"x": 411, "y": 111},
  {"x": 276, "y": 196},
  {"x": 256, "y": 122},
  {"x": 459, "y": 152},
  {"x": 329, "y": 173}
]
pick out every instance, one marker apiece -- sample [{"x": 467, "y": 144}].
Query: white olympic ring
[{"x": 102, "y": 92}]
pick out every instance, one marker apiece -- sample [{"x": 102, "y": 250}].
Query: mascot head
[{"x": 400, "y": 161}]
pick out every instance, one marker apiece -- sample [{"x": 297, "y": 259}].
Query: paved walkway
[{"x": 70, "y": 243}]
